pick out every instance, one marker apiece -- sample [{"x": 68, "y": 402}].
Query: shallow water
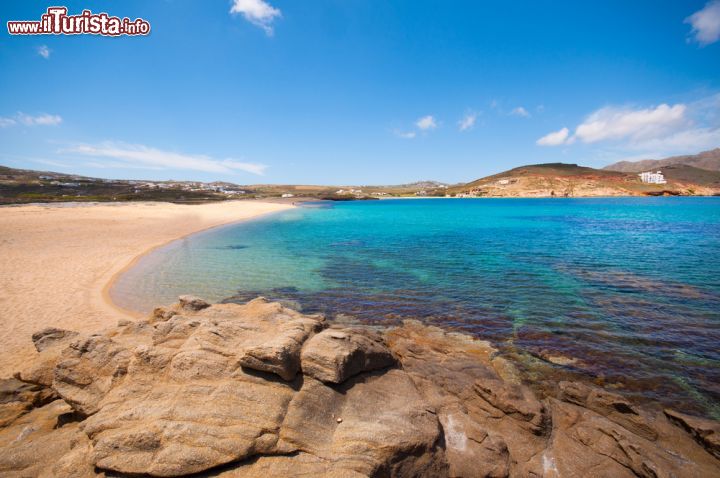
[{"x": 627, "y": 289}]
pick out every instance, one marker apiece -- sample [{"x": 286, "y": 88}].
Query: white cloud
[
  {"x": 43, "y": 119},
  {"x": 257, "y": 12},
  {"x": 39, "y": 120},
  {"x": 467, "y": 122},
  {"x": 693, "y": 139},
  {"x": 405, "y": 134},
  {"x": 656, "y": 131},
  {"x": 520, "y": 111},
  {"x": 622, "y": 123},
  {"x": 706, "y": 23},
  {"x": 49, "y": 162},
  {"x": 139, "y": 156},
  {"x": 554, "y": 139},
  {"x": 426, "y": 123},
  {"x": 105, "y": 164},
  {"x": 44, "y": 51}
]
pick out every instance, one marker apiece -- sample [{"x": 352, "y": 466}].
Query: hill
[
  {"x": 24, "y": 186},
  {"x": 681, "y": 173},
  {"x": 537, "y": 180},
  {"x": 571, "y": 180},
  {"x": 709, "y": 160}
]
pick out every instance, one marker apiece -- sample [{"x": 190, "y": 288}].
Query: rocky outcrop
[
  {"x": 192, "y": 303},
  {"x": 610, "y": 405},
  {"x": 42, "y": 443},
  {"x": 333, "y": 356},
  {"x": 49, "y": 343},
  {"x": 261, "y": 390},
  {"x": 88, "y": 369},
  {"x": 51, "y": 337},
  {"x": 18, "y": 398},
  {"x": 279, "y": 352},
  {"x": 706, "y": 432}
]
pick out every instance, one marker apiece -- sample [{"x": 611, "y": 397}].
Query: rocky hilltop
[
  {"x": 571, "y": 180},
  {"x": 707, "y": 160},
  {"x": 262, "y": 390}
]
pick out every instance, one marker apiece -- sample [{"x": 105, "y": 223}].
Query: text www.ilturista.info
[{"x": 57, "y": 22}]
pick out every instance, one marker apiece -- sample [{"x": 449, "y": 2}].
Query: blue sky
[{"x": 360, "y": 91}]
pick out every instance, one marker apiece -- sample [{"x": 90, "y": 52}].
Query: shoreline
[
  {"x": 62, "y": 261},
  {"x": 107, "y": 297}
]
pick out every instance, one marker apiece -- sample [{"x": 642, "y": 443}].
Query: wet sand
[{"x": 58, "y": 261}]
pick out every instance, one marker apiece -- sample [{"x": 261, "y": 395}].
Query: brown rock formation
[
  {"x": 261, "y": 390},
  {"x": 333, "y": 356},
  {"x": 706, "y": 432},
  {"x": 49, "y": 343},
  {"x": 17, "y": 398}
]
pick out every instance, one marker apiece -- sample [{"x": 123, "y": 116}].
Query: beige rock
[
  {"x": 75, "y": 463},
  {"x": 51, "y": 337},
  {"x": 607, "y": 404},
  {"x": 296, "y": 465},
  {"x": 186, "y": 405},
  {"x": 162, "y": 313},
  {"x": 280, "y": 354},
  {"x": 516, "y": 402},
  {"x": 166, "y": 429},
  {"x": 87, "y": 369},
  {"x": 387, "y": 428},
  {"x": 470, "y": 450},
  {"x": 49, "y": 343},
  {"x": 211, "y": 391},
  {"x": 33, "y": 443},
  {"x": 17, "y": 398},
  {"x": 192, "y": 303},
  {"x": 586, "y": 443},
  {"x": 334, "y": 355},
  {"x": 449, "y": 370},
  {"x": 706, "y": 432}
]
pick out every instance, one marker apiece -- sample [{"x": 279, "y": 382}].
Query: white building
[
  {"x": 348, "y": 191},
  {"x": 652, "y": 178}
]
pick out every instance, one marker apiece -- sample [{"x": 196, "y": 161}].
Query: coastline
[
  {"x": 62, "y": 261},
  {"x": 134, "y": 314},
  {"x": 466, "y": 406}
]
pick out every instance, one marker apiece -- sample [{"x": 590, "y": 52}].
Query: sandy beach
[{"x": 58, "y": 260}]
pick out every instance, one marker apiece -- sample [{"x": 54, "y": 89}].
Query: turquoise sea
[{"x": 627, "y": 289}]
